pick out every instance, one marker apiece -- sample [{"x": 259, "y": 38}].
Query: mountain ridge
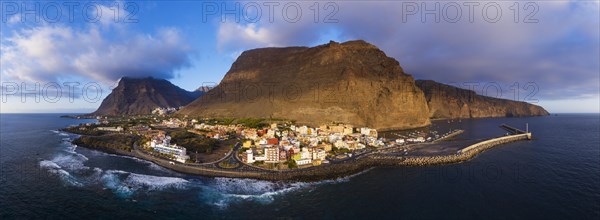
[
  {"x": 352, "y": 82},
  {"x": 447, "y": 102},
  {"x": 139, "y": 96}
]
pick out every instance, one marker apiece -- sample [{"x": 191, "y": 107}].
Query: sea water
[{"x": 555, "y": 176}]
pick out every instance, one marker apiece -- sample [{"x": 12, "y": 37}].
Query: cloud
[
  {"x": 285, "y": 30},
  {"x": 559, "y": 52},
  {"x": 233, "y": 35},
  {"x": 99, "y": 52},
  {"x": 14, "y": 19}
]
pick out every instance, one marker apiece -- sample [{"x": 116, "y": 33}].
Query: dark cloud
[{"x": 559, "y": 52}]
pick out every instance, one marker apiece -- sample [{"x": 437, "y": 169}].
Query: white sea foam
[
  {"x": 125, "y": 184},
  {"x": 63, "y": 133},
  {"x": 223, "y": 191},
  {"x": 46, "y": 164},
  {"x": 55, "y": 169},
  {"x": 70, "y": 162},
  {"x": 112, "y": 180},
  {"x": 156, "y": 182}
]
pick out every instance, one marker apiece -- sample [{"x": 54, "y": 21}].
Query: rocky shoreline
[{"x": 329, "y": 171}]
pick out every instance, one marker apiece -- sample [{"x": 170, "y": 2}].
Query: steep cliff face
[
  {"x": 352, "y": 82},
  {"x": 446, "y": 101},
  {"x": 141, "y": 96}
]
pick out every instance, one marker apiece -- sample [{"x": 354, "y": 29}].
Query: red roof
[{"x": 273, "y": 141}]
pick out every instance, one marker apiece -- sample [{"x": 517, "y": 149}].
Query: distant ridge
[
  {"x": 447, "y": 102},
  {"x": 204, "y": 88},
  {"x": 138, "y": 96}
]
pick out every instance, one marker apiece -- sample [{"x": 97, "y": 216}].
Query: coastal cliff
[
  {"x": 352, "y": 82},
  {"x": 139, "y": 96},
  {"x": 445, "y": 101}
]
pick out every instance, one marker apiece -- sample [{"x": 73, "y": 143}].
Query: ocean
[{"x": 554, "y": 176}]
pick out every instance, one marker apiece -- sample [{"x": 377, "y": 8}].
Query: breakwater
[
  {"x": 451, "y": 135},
  {"x": 463, "y": 154},
  {"x": 396, "y": 148}
]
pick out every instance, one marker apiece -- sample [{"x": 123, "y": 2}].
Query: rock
[
  {"x": 140, "y": 96},
  {"x": 352, "y": 82},
  {"x": 447, "y": 101}
]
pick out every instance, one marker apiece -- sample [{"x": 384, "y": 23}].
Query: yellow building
[
  {"x": 337, "y": 128},
  {"x": 347, "y": 131},
  {"x": 316, "y": 162},
  {"x": 326, "y": 147}
]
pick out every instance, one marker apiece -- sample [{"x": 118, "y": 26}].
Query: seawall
[{"x": 463, "y": 154}]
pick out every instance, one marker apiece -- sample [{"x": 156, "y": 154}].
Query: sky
[{"x": 74, "y": 52}]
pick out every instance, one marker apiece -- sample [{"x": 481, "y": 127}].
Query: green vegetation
[
  {"x": 126, "y": 123},
  {"x": 110, "y": 141},
  {"x": 193, "y": 142},
  {"x": 252, "y": 122},
  {"x": 228, "y": 164},
  {"x": 88, "y": 131},
  {"x": 220, "y": 121},
  {"x": 292, "y": 164},
  {"x": 243, "y": 149}
]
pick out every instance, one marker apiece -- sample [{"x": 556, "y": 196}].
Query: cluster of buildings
[
  {"x": 276, "y": 143},
  {"x": 172, "y": 123},
  {"x": 219, "y": 132},
  {"x": 302, "y": 144},
  {"x": 164, "y": 111},
  {"x": 111, "y": 129},
  {"x": 277, "y": 154},
  {"x": 162, "y": 144}
]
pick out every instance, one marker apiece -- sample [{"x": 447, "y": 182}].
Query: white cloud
[
  {"x": 48, "y": 53},
  {"x": 14, "y": 19},
  {"x": 234, "y": 35}
]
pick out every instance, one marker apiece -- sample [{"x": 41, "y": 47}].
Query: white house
[
  {"x": 113, "y": 129},
  {"x": 319, "y": 154},
  {"x": 249, "y": 156},
  {"x": 303, "y": 161}
]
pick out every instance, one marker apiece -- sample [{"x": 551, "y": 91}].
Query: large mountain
[
  {"x": 352, "y": 82},
  {"x": 446, "y": 101},
  {"x": 136, "y": 96}
]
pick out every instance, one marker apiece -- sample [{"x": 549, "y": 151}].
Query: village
[{"x": 261, "y": 143}]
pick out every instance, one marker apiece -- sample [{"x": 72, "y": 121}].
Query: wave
[
  {"x": 70, "y": 159},
  {"x": 111, "y": 180},
  {"x": 46, "y": 164},
  {"x": 222, "y": 192},
  {"x": 156, "y": 182},
  {"x": 55, "y": 169},
  {"x": 151, "y": 165},
  {"x": 126, "y": 184}
]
